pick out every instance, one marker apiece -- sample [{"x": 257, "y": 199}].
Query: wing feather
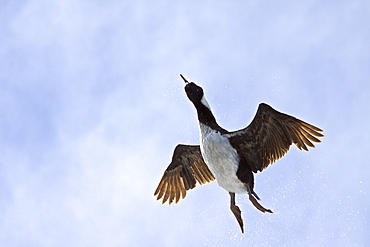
[
  {"x": 187, "y": 167},
  {"x": 270, "y": 135}
]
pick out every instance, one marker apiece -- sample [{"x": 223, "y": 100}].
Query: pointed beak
[{"x": 186, "y": 81}]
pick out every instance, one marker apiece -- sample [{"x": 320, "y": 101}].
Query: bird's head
[{"x": 194, "y": 93}]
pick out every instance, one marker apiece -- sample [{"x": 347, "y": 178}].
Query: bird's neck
[{"x": 205, "y": 116}]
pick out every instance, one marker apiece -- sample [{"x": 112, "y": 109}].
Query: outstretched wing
[
  {"x": 186, "y": 168},
  {"x": 269, "y": 136}
]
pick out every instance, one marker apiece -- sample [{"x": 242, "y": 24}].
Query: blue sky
[{"x": 92, "y": 107}]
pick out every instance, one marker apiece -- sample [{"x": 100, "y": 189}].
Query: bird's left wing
[
  {"x": 270, "y": 135},
  {"x": 186, "y": 168}
]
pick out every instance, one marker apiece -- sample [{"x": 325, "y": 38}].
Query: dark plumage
[
  {"x": 232, "y": 157},
  {"x": 187, "y": 167},
  {"x": 269, "y": 136}
]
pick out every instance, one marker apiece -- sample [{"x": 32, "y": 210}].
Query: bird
[{"x": 231, "y": 157}]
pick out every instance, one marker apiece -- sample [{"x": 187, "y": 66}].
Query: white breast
[{"x": 221, "y": 158}]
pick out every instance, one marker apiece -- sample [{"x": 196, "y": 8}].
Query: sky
[{"x": 92, "y": 107}]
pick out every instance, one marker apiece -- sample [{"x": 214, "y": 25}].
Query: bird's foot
[
  {"x": 257, "y": 205},
  {"x": 255, "y": 195},
  {"x": 238, "y": 215}
]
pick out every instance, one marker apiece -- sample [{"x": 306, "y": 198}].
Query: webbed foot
[{"x": 236, "y": 211}]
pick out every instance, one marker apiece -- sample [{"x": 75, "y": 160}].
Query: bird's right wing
[{"x": 186, "y": 168}]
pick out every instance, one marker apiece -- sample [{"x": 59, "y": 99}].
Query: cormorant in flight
[{"x": 232, "y": 157}]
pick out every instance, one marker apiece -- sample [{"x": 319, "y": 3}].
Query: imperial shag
[{"x": 232, "y": 157}]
